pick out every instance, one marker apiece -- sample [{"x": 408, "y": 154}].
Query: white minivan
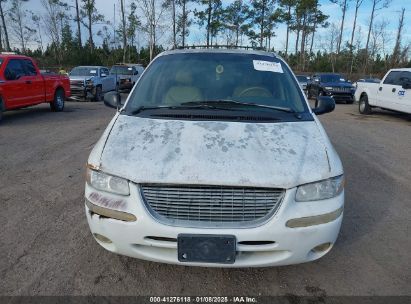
[{"x": 216, "y": 159}]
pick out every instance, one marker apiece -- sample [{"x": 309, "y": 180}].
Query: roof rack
[
  {"x": 244, "y": 47},
  {"x": 127, "y": 64}
]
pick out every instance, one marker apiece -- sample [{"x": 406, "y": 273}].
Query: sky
[{"x": 390, "y": 14}]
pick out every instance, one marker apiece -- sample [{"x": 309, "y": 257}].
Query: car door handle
[
  {"x": 380, "y": 89},
  {"x": 393, "y": 90},
  {"x": 28, "y": 81}
]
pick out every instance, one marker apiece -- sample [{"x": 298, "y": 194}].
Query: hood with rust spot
[{"x": 281, "y": 155}]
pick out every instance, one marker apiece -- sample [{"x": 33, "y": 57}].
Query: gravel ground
[{"x": 47, "y": 248}]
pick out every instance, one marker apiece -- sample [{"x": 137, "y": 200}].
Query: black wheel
[
  {"x": 364, "y": 107},
  {"x": 57, "y": 105},
  {"x": 99, "y": 94}
]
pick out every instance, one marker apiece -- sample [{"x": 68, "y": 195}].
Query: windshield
[
  {"x": 175, "y": 79},
  {"x": 84, "y": 71},
  {"x": 332, "y": 78},
  {"x": 121, "y": 70}
]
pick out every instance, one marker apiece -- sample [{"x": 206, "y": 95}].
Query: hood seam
[
  {"x": 106, "y": 139},
  {"x": 324, "y": 145}
]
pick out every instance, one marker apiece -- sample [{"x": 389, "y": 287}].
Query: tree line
[{"x": 140, "y": 29}]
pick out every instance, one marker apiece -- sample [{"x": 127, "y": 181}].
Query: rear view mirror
[
  {"x": 112, "y": 100},
  {"x": 324, "y": 104}
]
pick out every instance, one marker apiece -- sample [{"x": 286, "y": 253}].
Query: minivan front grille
[{"x": 211, "y": 206}]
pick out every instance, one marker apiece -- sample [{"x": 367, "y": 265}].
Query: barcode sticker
[{"x": 267, "y": 66}]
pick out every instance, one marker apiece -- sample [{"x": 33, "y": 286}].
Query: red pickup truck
[{"x": 22, "y": 85}]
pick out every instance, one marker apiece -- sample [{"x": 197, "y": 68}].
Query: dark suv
[{"x": 333, "y": 85}]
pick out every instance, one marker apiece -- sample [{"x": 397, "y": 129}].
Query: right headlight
[
  {"x": 105, "y": 182},
  {"x": 320, "y": 190}
]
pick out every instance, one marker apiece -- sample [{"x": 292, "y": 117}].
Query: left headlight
[
  {"x": 105, "y": 182},
  {"x": 321, "y": 190}
]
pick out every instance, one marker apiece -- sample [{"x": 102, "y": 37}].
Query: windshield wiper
[
  {"x": 239, "y": 103},
  {"x": 183, "y": 106},
  {"x": 144, "y": 108}
]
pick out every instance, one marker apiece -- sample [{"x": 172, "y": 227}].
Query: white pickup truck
[{"x": 392, "y": 93}]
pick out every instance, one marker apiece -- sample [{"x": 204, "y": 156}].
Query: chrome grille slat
[
  {"x": 225, "y": 195},
  {"x": 216, "y": 206},
  {"x": 341, "y": 89},
  {"x": 206, "y": 201}
]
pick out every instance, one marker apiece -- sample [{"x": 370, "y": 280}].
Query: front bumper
[
  {"x": 148, "y": 239},
  {"x": 338, "y": 96},
  {"x": 79, "y": 93},
  {"x": 125, "y": 84}
]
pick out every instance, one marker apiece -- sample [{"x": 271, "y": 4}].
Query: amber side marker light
[
  {"x": 110, "y": 213},
  {"x": 315, "y": 220},
  {"x": 321, "y": 248},
  {"x": 102, "y": 238}
]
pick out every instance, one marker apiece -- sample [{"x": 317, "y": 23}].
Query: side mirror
[
  {"x": 112, "y": 100},
  {"x": 324, "y": 104},
  {"x": 103, "y": 75}
]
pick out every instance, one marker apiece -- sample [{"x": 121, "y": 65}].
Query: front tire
[
  {"x": 363, "y": 106},
  {"x": 57, "y": 105}
]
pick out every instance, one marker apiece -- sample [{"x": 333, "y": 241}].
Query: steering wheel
[{"x": 256, "y": 91}]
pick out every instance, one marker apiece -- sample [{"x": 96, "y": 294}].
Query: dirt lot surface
[{"x": 47, "y": 248}]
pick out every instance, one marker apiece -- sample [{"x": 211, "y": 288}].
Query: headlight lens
[
  {"x": 329, "y": 88},
  {"x": 89, "y": 83},
  {"x": 108, "y": 183},
  {"x": 321, "y": 190}
]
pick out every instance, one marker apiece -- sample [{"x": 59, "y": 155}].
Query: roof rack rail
[
  {"x": 245, "y": 47},
  {"x": 127, "y": 63}
]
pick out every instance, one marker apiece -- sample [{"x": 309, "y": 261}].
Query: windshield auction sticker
[{"x": 267, "y": 66}]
